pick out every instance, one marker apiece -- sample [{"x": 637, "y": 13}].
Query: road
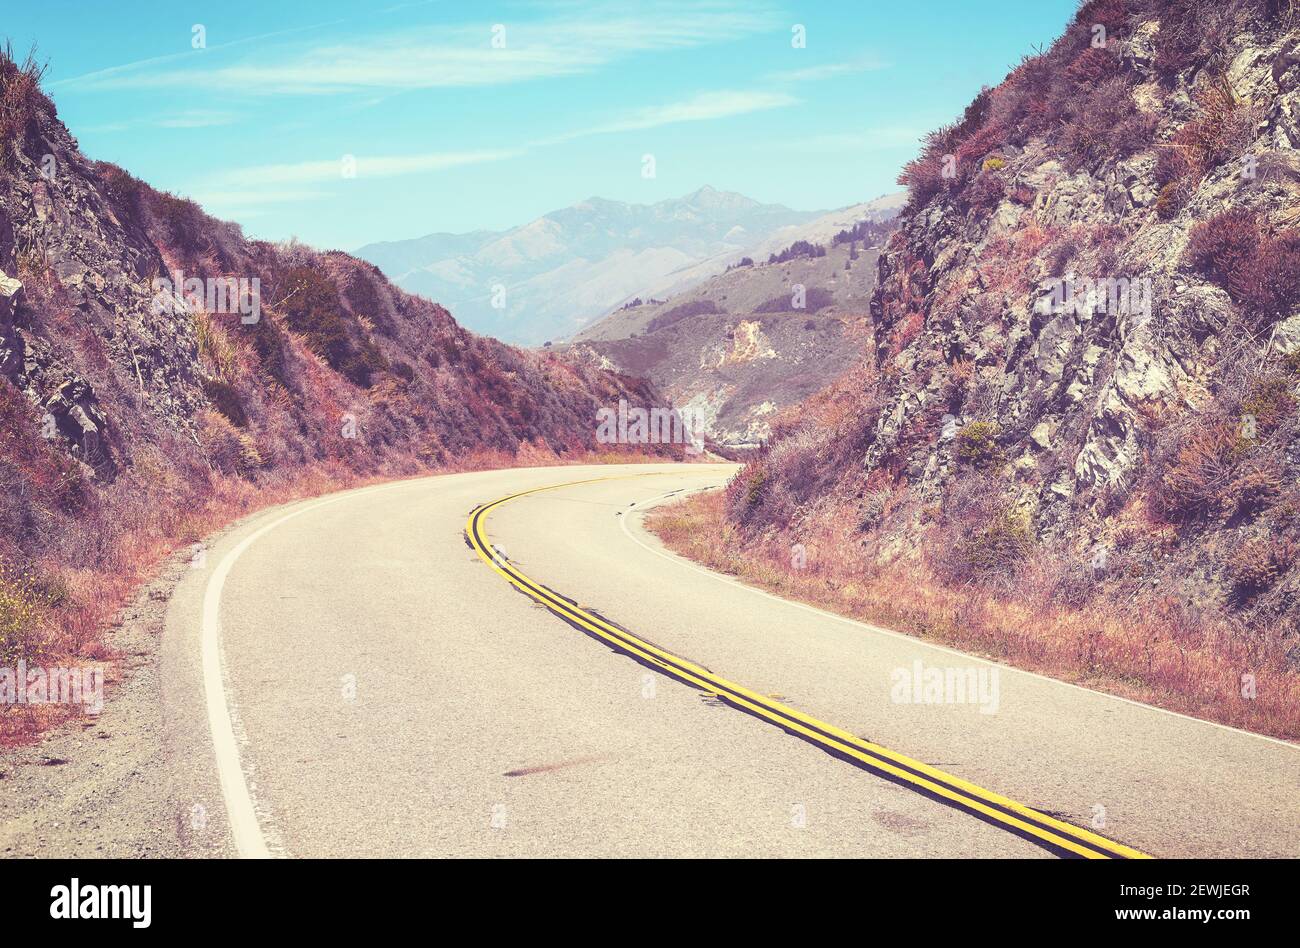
[{"x": 351, "y": 677}]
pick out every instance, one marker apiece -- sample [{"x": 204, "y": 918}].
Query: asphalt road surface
[{"x": 350, "y": 677}]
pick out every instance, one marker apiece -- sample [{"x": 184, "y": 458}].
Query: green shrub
[
  {"x": 312, "y": 308},
  {"x": 21, "y": 606},
  {"x": 997, "y": 547},
  {"x": 977, "y": 444}
]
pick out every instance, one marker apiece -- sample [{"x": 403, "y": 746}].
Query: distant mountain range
[
  {"x": 737, "y": 348},
  {"x": 548, "y": 279}
]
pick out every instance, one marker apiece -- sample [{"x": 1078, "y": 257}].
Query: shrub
[
  {"x": 800, "y": 248},
  {"x": 982, "y": 535},
  {"x": 986, "y": 191},
  {"x": 123, "y": 191},
  {"x": 1268, "y": 285},
  {"x": 50, "y": 476},
  {"x": 924, "y": 176},
  {"x": 183, "y": 221},
  {"x": 1271, "y": 399},
  {"x": 226, "y": 400},
  {"x": 1107, "y": 125},
  {"x": 906, "y": 332},
  {"x": 20, "y": 93},
  {"x": 21, "y": 606},
  {"x": 1112, "y": 14},
  {"x": 977, "y": 444},
  {"x": 1224, "y": 244},
  {"x": 1261, "y": 272},
  {"x": 1194, "y": 484},
  {"x": 1220, "y": 133},
  {"x": 1255, "y": 566},
  {"x": 745, "y": 493},
  {"x": 270, "y": 345},
  {"x": 1254, "y": 486},
  {"x": 1179, "y": 40},
  {"x": 1092, "y": 66},
  {"x": 1173, "y": 198},
  {"x": 312, "y": 308},
  {"x": 998, "y": 546},
  {"x": 222, "y": 441}
]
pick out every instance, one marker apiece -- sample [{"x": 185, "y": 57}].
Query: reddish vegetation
[
  {"x": 1260, "y": 270},
  {"x": 1082, "y": 90},
  {"x": 1159, "y": 651},
  {"x": 198, "y": 417},
  {"x": 961, "y": 482}
]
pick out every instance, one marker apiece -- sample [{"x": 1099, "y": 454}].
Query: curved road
[{"x": 372, "y": 686}]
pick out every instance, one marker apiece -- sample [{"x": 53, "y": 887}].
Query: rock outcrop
[
  {"x": 152, "y": 358},
  {"x": 1095, "y": 294}
]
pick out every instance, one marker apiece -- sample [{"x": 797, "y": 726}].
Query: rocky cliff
[
  {"x": 1086, "y": 334},
  {"x": 160, "y": 373}
]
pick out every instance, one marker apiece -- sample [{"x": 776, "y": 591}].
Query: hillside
[
  {"x": 1075, "y": 441},
  {"x": 548, "y": 278},
  {"x": 145, "y": 400},
  {"x": 741, "y": 347}
]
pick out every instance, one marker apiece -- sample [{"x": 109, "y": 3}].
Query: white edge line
[
  {"x": 246, "y": 831},
  {"x": 250, "y": 841},
  {"x": 880, "y": 630}
]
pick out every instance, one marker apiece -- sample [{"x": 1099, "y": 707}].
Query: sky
[{"x": 344, "y": 123}]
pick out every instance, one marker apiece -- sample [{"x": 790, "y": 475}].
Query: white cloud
[
  {"x": 706, "y": 106},
  {"x": 193, "y": 118},
  {"x": 429, "y": 57},
  {"x": 367, "y": 166},
  {"x": 245, "y": 182},
  {"x": 108, "y": 77},
  {"x": 825, "y": 71}
]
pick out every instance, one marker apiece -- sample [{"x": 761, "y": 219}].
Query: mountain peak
[{"x": 710, "y": 198}]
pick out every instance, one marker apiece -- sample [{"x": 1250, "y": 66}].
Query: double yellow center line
[{"x": 1026, "y": 822}]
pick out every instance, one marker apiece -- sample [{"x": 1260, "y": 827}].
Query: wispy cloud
[
  {"x": 244, "y": 184},
  {"x": 111, "y": 76},
  {"x": 366, "y": 166},
  {"x": 193, "y": 118},
  {"x": 429, "y": 57},
  {"x": 825, "y": 71},
  {"x": 705, "y": 106}
]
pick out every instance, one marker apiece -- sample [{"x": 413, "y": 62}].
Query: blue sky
[{"x": 450, "y": 132}]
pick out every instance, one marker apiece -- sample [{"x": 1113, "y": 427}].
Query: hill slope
[
  {"x": 757, "y": 339},
  {"x": 139, "y": 409},
  {"x": 546, "y": 279},
  {"x": 1075, "y": 442}
]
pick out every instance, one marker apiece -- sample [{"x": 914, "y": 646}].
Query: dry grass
[
  {"x": 57, "y": 613},
  {"x": 1151, "y": 651}
]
